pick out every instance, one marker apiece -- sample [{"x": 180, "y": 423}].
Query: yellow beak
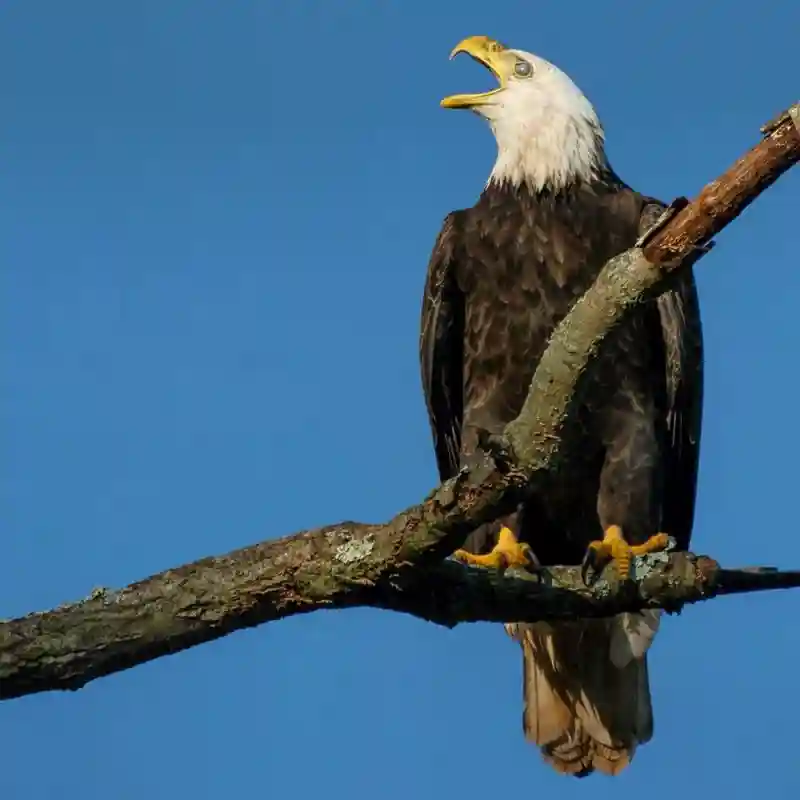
[{"x": 491, "y": 54}]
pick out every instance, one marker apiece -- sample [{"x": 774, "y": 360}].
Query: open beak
[{"x": 491, "y": 54}]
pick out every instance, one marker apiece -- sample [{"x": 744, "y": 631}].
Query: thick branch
[
  {"x": 397, "y": 565},
  {"x": 325, "y": 569}
]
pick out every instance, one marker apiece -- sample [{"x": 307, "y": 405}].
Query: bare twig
[
  {"x": 722, "y": 200},
  {"x": 398, "y": 565}
]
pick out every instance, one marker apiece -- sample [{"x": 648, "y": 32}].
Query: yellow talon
[
  {"x": 614, "y": 548},
  {"x": 508, "y": 552}
]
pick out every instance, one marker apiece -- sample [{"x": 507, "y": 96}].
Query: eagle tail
[{"x": 586, "y": 691}]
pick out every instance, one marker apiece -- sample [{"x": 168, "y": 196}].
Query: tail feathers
[
  {"x": 632, "y": 635},
  {"x": 586, "y": 711}
]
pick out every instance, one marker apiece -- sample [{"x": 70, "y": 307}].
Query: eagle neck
[{"x": 523, "y": 195}]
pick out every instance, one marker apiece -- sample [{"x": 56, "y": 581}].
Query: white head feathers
[{"x": 547, "y": 132}]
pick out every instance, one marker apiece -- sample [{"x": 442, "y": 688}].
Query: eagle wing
[
  {"x": 442, "y": 350},
  {"x": 682, "y": 336}
]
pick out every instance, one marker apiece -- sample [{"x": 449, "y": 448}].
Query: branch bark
[{"x": 398, "y": 565}]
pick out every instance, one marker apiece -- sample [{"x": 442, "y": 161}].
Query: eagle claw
[
  {"x": 614, "y": 548},
  {"x": 508, "y": 552},
  {"x": 592, "y": 566}
]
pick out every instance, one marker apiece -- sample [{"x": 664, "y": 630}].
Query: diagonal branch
[{"x": 399, "y": 565}]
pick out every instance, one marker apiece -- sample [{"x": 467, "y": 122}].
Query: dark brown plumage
[{"x": 501, "y": 276}]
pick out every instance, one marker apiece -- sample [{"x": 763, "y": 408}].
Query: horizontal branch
[
  {"x": 326, "y": 569},
  {"x": 449, "y": 593},
  {"x": 398, "y": 565}
]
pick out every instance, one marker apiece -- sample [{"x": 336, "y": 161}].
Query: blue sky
[{"x": 216, "y": 222}]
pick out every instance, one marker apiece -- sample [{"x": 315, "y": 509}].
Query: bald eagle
[{"x": 502, "y": 275}]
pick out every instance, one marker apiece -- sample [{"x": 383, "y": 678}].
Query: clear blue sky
[{"x": 216, "y": 218}]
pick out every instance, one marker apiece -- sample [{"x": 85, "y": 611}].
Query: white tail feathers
[
  {"x": 632, "y": 636},
  {"x": 586, "y": 691}
]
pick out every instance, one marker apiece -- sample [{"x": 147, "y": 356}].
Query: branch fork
[{"x": 402, "y": 565}]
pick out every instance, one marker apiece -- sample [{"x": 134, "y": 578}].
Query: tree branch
[
  {"x": 399, "y": 565},
  {"x": 449, "y": 593}
]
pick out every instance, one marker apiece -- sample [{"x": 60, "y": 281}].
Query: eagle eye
[{"x": 523, "y": 69}]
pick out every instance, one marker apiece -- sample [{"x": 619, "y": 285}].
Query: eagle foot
[
  {"x": 614, "y": 548},
  {"x": 508, "y": 552}
]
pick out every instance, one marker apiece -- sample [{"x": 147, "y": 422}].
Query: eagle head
[{"x": 548, "y": 133}]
